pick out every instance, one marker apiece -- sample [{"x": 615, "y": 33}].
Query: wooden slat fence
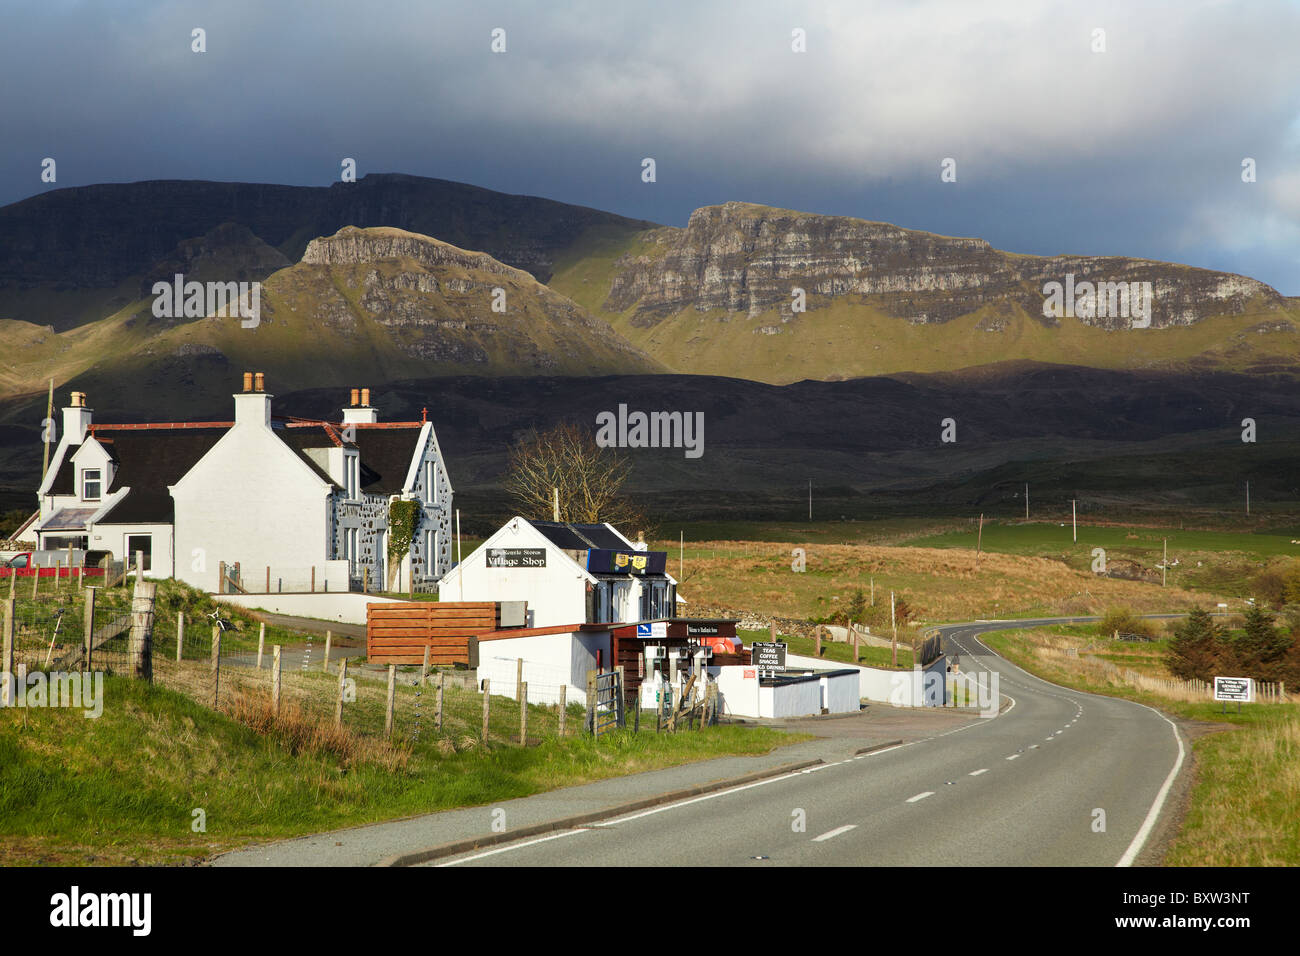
[{"x": 398, "y": 633}]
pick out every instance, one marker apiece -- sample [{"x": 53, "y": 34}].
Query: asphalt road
[{"x": 1023, "y": 789}]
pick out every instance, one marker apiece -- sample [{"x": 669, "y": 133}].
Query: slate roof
[
  {"x": 580, "y": 537},
  {"x": 386, "y": 453}
]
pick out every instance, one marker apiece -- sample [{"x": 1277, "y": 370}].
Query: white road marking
[
  {"x": 1153, "y": 814},
  {"x": 836, "y": 832},
  {"x": 513, "y": 846},
  {"x": 920, "y": 796},
  {"x": 976, "y": 773},
  {"x": 1013, "y": 756}
]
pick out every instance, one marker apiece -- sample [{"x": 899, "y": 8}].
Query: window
[
  {"x": 142, "y": 543},
  {"x": 91, "y": 483},
  {"x": 430, "y": 483},
  {"x": 351, "y": 472}
]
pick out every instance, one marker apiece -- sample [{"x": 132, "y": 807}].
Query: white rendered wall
[
  {"x": 550, "y": 660},
  {"x": 344, "y": 608},
  {"x": 250, "y": 499}
]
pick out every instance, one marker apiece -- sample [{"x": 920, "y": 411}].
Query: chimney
[
  {"x": 360, "y": 413},
  {"x": 76, "y": 419},
  {"x": 253, "y": 406}
]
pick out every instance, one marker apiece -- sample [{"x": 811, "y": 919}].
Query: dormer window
[{"x": 91, "y": 484}]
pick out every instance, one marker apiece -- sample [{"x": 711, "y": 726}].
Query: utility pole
[
  {"x": 1074, "y": 517},
  {"x": 1164, "y": 564},
  {"x": 1248, "y": 498},
  {"x": 49, "y": 417},
  {"x": 460, "y": 574},
  {"x": 979, "y": 540},
  {"x": 810, "y": 499},
  {"x": 1026, "y": 501},
  {"x": 555, "y": 506},
  {"x": 894, "y": 625},
  {"x": 681, "y": 556}
]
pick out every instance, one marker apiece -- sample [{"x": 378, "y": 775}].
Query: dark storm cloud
[{"x": 1136, "y": 150}]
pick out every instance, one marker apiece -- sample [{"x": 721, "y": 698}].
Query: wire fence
[{"x": 296, "y": 687}]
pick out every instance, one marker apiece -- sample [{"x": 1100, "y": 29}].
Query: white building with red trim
[{"x": 295, "y": 503}]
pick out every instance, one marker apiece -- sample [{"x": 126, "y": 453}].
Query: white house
[
  {"x": 568, "y": 574},
  {"x": 298, "y": 503}
]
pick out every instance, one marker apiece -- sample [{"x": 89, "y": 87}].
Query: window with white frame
[
  {"x": 430, "y": 483},
  {"x": 92, "y": 484}
]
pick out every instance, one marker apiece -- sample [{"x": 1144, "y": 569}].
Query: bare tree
[{"x": 589, "y": 479}]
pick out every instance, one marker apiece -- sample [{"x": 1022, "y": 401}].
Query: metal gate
[{"x": 605, "y": 701}]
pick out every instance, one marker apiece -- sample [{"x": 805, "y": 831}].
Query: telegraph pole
[
  {"x": 1026, "y": 501},
  {"x": 1074, "y": 517}
]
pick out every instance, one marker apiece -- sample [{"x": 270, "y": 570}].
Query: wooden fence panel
[{"x": 400, "y": 633}]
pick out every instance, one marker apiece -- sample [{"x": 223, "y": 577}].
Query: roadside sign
[
  {"x": 768, "y": 656},
  {"x": 652, "y": 629},
  {"x": 1239, "y": 689}
]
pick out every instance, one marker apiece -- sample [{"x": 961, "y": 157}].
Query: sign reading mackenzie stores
[{"x": 516, "y": 557}]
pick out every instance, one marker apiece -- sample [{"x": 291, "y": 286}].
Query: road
[{"x": 1022, "y": 789}]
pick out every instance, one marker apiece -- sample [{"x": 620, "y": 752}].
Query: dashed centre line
[
  {"x": 976, "y": 773},
  {"x": 831, "y": 834},
  {"x": 920, "y": 796}
]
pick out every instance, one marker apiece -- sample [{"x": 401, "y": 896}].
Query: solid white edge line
[
  {"x": 1153, "y": 814},
  {"x": 830, "y": 835},
  {"x": 507, "y": 849}
]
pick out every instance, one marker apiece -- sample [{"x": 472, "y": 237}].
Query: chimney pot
[
  {"x": 365, "y": 397},
  {"x": 248, "y": 381},
  {"x": 259, "y": 382},
  {"x": 355, "y": 398}
]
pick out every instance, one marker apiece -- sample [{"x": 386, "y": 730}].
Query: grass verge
[{"x": 125, "y": 788}]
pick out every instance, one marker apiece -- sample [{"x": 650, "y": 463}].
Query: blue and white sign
[{"x": 652, "y": 629}]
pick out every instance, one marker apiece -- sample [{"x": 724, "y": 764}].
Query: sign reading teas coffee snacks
[{"x": 516, "y": 557}]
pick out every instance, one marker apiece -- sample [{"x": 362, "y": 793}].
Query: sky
[{"x": 1064, "y": 140}]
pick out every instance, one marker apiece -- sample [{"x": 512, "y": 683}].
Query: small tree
[
  {"x": 588, "y": 478},
  {"x": 1261, "y": 649},
  {"x": 857, "y": 608},
  {"x": 1196, "y": 648}
]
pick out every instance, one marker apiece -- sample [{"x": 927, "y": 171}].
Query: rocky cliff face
[{"x": 743, "y": 259}]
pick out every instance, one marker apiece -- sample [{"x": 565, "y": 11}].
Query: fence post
[
  {"x": 36, "y": 579},
  {"x": 139, "y": 566},
  {"x": 261, "y": 643},
  {"x": 487, "y": 698},
  {"x": 7, "y": 661},
  {"x": 818, "y": 639},
  {"x": 313, "y": 579},
  {"x": 180, "y": 633},
  {"x": 338, "y": 705},
  {"x": 519, "y": 676},
  {"x": 855, "y": 643},
  {"x": 424, "y": 668},
  {"x": 620, "y": 717},
  {"x": 591, "y": 702},
  {"x": 392, "y": 694},
  {"x": 523, "y": 714},
  {"x": 141, "y": 654},
  {"x": 275, "y": 678},
  {"x": 437, "y": 710},
  {"x": 88, "y": 630},
  {"x": 325, "y": 664},
  {"x": 564, "y": 709},
  {"x": 216, "y": 665}
]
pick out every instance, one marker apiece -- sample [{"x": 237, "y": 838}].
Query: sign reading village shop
[{"x": 516, "y": 557}]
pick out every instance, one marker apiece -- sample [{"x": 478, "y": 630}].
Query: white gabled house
[
  {"x": 297, "y": 502},
  {"x": 568, "y": 573}
]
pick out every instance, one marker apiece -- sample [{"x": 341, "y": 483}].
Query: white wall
[
  {"x": 112, "y": 537},
  {"x": 250, "y": 499},
  {"x": 556, "y": 594},
  {"x": 901, "y": 688},
  {"x": 344, "y": 608},
  {"x": 549, "y": 661}
]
